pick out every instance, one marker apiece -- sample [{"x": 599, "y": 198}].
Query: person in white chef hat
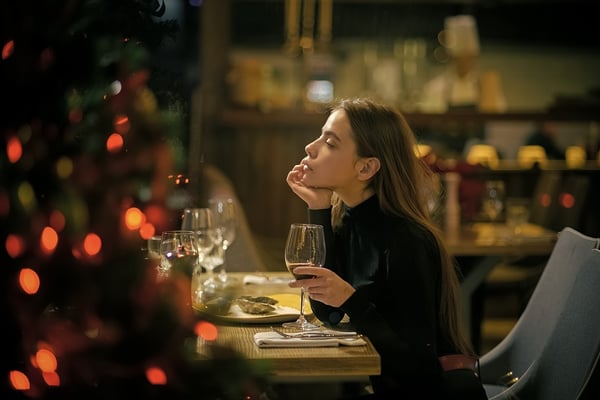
[{"x": 461, "y": 85}]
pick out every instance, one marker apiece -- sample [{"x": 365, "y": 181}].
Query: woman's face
[{"x": 331, "y": 160}]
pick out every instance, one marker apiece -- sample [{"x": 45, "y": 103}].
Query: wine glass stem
[
  {"x": 301, "y": 318},
  {"x": 223, "y": 271}
]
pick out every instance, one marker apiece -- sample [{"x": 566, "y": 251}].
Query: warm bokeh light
[
  {"x": 114, "y": 143},
  {"x": 134, "y": 218},
  {"x": 545, "y": 200},
  {"x": 64, "y": 167},
  {"x": 19, "y": 380},
  {"x": 29, "y": 281},
  {"x": 57, "y": 220},
  {"x": 51, "y": 378},
  {"x": 46, "y": 360},
  {"x": 206, "y": 330},
  {"x": 121, "y": 124},
  {"x": 14, "y": 149},
  {"x": 147, "y": 230},
  {"x": 92, "y": 244},
  {"x": 48, "y": 240},
  {"x": 156, "y": 376},
  {"x": 157, "y": 215},
  {"x": 15, "y": 245},
  {"x": 567, "y": 200},
  {"x": 26, "y": 196},
  {"x": 8, "y": 49}
]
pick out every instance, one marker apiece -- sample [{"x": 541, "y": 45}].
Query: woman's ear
[{"x": 369, "y": 168}]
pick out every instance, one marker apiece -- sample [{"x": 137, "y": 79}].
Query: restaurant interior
[
  {"x": 246, "y": 84},
  {"x": 259, "y": 61}
]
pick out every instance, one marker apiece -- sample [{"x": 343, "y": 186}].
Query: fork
[{"x": 318, "y": 335}]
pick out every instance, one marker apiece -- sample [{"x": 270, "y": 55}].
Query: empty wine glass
[
  {"x": 178, "y": 252},
  {"x": 201, "y": 221},
  {"x": 224, "y": 212},
  {"x": 305, "y": 246}
]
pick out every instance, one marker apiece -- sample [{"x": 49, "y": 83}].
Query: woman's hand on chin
[{"x": 315, "y": 197}]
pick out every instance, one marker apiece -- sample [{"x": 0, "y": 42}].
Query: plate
[{"x": 286, "y": 310}]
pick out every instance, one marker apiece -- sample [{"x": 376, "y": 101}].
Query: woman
[{"x": 387, "y": 266}]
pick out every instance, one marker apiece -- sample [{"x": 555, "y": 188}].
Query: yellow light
[
  {"x": 64, "y": 167},
  {"x": 134, "y": 218},
  {"x": 26, "y": 196}
]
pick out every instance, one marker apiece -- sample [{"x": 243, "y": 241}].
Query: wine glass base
[{"x": 300, "y": 325}]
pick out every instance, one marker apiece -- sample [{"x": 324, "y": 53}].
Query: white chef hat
[{"x": 461, "y": 36}]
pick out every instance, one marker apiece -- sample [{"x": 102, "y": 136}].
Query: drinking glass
[
  {"x": 178, "y": 252},
  {"x": 201, "y": 221},
  {"x": 492, "y": 203},
  {"x": 153, "y": 250},
  {"x": 305, "y": 246},
  {"x": 517, "y": 214},
  {"x": 224, "y": 212}
]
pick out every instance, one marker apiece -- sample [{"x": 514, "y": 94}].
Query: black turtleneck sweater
[{"x": 394, "y": 265}]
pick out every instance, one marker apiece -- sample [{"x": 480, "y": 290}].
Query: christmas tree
[{"x": 84, "y": 173}]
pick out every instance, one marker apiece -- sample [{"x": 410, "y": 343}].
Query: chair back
[{"x": 559, "y": 309}]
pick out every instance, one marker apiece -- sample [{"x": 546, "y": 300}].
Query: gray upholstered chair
[{"x": 553, "y": 348}]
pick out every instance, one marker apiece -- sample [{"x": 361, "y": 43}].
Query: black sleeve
[{"x": 401, "y": 320}]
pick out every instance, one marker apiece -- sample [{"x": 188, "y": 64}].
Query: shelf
[{"x": 236, "y": 117}]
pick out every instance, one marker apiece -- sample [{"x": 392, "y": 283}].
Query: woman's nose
[{"x": 309, "y": 149}]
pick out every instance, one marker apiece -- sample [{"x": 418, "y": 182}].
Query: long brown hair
[{"x": 403, "y": 186}]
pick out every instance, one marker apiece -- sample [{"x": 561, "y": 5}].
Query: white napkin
[
  {"x": 261, "y": 279},
  {"x": 273, "y": 339}
]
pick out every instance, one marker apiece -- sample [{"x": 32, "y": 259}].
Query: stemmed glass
[
  {"x": 305, "y": 246},
  {"x": 178, "y": 252},
  {"x": 224, "y": 212},
  {"x": 201, "y": 221}
]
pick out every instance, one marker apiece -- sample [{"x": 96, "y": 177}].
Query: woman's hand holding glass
[{"x": 305, "y": 246}]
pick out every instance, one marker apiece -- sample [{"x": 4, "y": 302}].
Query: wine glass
[
  {"x": 224, "y": 211},
  {"x": 201, "y": 221},
  {"x": 305, "y": 246},
  {"x": 178, "y": 252}
]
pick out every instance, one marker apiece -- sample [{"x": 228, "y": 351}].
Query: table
[
  {"x": 493, "y": 243},
  {"x": 293, "y": 365}
]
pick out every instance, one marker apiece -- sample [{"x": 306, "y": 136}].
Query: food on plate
[{"x": 256, "y": 305}]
